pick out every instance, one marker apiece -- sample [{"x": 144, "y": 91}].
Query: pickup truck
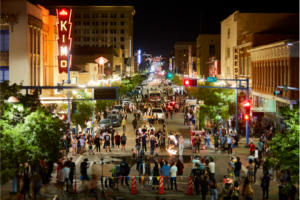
[{"x": 160, "y": 114}]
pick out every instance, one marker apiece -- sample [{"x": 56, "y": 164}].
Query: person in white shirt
[
  {"x": 211, "y": 166},
  {"x": 61, "y": 177},
  {"x": 67, "y": 169},
  {"x": 173, "y": 173},
  {"x": 82, "y": 140},
  {"x": 88, "y": 124}
]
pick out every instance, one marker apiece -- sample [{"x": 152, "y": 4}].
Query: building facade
[
  {"x": 208, "y": 45},
  {"x": 274, "y": 64},
  {"x": 182, "y": 57},
  {"x": 238, "y": 23}
]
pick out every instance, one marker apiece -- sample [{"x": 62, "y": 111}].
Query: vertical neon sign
[{"x": 64, "y": 40}]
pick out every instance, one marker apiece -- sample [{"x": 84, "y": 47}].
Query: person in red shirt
[
  {"x": 117, "y": 140},
  {"x": 252, "y": 147},
  {"x": 194, "y": 139}
]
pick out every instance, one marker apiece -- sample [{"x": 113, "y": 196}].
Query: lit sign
[
  {"x": 139, "y": 56},
  {"x": 236, "y": 54},
  {"x": 64, "y": 40}
]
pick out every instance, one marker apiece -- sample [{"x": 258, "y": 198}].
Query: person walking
[
  {"x": 93, "y": 186},
  {"x": 61, "y": 178},
  {"x": 198, "y": 144},
  {"x": 117, "y": 140},
  {"x": 144, "y": 145},
  {"x": 181, "y": 145},
  {"x": 207, "y": 139},
  {"x": 107, "y": 142},
  {"x": 124, "y": 170},
  {"x": 90, "y": 142},
  {"x": 83, "y": 169},
  {"x": 26, "y": 186},
  {"x": 123, "y": 141},
  {"x": 216, "y": 141},
  {"x": 204, "y": 187},
  {"x": 265, "y": 182},
  {"x": 97, "y": 143},
  {"x": 138, "y": 144},
  {"x": 180, "y": 167},
  {"x": 152, "y": 144},
  {"x": 196, "y": 173},
  {"x": 74, "y": 146},
  {"x": 143, "y": 171},
  {"x": 145, "y": 119},
  {"x": 229, "y": 142},
  {"x": 165, "y": 171},
  {"x": 237, "y": 169},
  {"x": 233, "y": 146},
  {"x": 72, "y": 167},
  {"x": 124, "y": 124},
  {"x": 173, "y": 172},
  {"x": 134, "y": 123},
  {"x": 213, "y": 189},
  {"x": 155, "y": 173},
  {"x": 212, "y": 166}
]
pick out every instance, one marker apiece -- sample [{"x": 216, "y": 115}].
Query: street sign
[
  {"x": 105, "y": 93},
  {"x": 211, "y": 79},
  {"x": 285, "y": 88}
]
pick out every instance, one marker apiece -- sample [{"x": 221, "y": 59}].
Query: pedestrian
[
  {"x": 180, "y": 167},
  {"x": 117, "y": 140},
  {"x": 37, "y": 185},
  {"x": 233, "y": 146},
  {"x": 248, "y": 193},
  {"x": 194, "y": 139},
  {"x": 250, "y": 173},
  {"x": 82, "y": 141},
  {"x": 124, "y": 124},
  {"x": 93, "y": 185},
  {"x": 265, "y": 181},
  {"x": 223, "y": 141},
  {"x": 90, "y": 142},
  {"x": 61, "y": 179},
  {"x": 165, "y": 171},
  {"x": 213, "y": 188},
  {"x": 198, "y": 144},
  {"x": 107, "y": 142},
  {"x": 124, "y": 171},
  {"x": 138, "y": 144},
  {"x": 156, "y": 119},
  {"x": 212, "y": 166},
  {"x": 235, "y": 191},
  {"x": 123, "y": 141},
  {"x": 196, "y": 173},
  {"x": 143, "y": 171},
  {"x": 145, "y": 119},
  {"x": 207, "y": 139},
  {"x": 83, "y": 169},
  {"x": 252, "y": 147},
  {"x": 216, "y": 141},
  {"x": 155, "y": 174},
  {"x": 237, "y": 169},
  {"x": 97, "y": 143},
  {"x": 67, "y": 169},
  {"x": 26, "y": 186},
  {"x": 144, "y": 146},
  {"x": 72, "y": 167},
  {"x": 66, "y": 145},
  {"x": 181, "y": 145},
  {"x": 134, "y": 123},
  {"x": 227, "y": 189},
  {"x": 204, "y": 187},
  {"x": 229, "y": 142},
  {"x": 152, "y": 144},
  {"x": 173, "y": 172},
  {"x": 74, "y": 146}
]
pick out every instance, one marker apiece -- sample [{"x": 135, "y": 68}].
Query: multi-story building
[
  {"x": 208, "y": 45},
  {"x": 182, "y": 57},
  {"x": 275, "y": 64},
  {"x": 237, "y": 23},
  {"x": 103, "y": 27},
  {"x": 192, "y": 61}
]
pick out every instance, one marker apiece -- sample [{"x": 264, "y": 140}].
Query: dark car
[
  {"x": 105, "y": 125},
  {"x": 118, "y": 107},
  {"x": 115, "y": 119}
]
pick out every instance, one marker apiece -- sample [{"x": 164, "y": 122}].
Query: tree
[
  {"x": 85, "y": 109},
  {"x": 285, "y": 147},
  {"x": 29, "y": 132},
  {"x": 101, "y": 105}
]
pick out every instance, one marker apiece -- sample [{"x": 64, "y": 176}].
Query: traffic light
[
  {"x": 277, "y": 92},
  {"x": 247, "y": 106},
  {"x": 74, "y": 107},
  {"x": 169, "y": 75},
  {"x": 190, "y": 82},
  {"x": 246, "y": 117}
]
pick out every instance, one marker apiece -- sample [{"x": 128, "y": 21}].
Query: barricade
[
  {"x": 190, "y": 186},
  {"x": 133, "y": 185},
  {"x": 161, "y": 189}
]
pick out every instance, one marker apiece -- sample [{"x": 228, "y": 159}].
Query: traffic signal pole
[{"x": 247, "y": 121}]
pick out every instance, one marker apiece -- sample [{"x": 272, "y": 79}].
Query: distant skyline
[{"x": 158, "y": 25}]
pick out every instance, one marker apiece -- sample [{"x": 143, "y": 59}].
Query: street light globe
[{"x": 13, "y": 100}]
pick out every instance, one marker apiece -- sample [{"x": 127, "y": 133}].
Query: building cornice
[{"x": 245, "y": 45}]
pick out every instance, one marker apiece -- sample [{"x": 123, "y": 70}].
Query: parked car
[
  {"x": 118, "y": 107},
  {"x": 115, "y": 119},
  {"x": 114, "y": 112},
  {"x": 160, "y": 114},
  {"x": 105, "y": 125},
  {"x": 126, "y": 101}
]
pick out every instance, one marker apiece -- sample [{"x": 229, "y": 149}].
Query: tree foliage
[
  {"x": 29, "y": 132},
  {"x": 285, "y": 146},
  {"x": 85, "y": 109}
]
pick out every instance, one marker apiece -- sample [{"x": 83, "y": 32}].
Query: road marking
[{"x": 78, "y": 159}]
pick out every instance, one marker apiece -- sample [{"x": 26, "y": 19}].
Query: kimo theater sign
[{"x": 64, "y": 40}]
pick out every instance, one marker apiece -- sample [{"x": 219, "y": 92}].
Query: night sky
[{"x": 157, "y": 25}]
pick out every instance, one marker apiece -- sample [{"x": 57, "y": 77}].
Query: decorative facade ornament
[
  {"x": 4, "y": 19},
  {"x": 35, "y": 22},
  {"x": 45, "y": 28},
  {"x": 12, "y": 20}
]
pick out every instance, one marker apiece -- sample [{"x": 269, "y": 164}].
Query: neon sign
[{"x": 64, "y": 40}]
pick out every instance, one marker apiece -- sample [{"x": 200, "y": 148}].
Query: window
[
  {"x": 105, "y": 23},
  {"x": 212, "y": 50},
  {"x": 79, "y": 39},
  {"x": 96, "y": 31},
  {"x": 122, "y": 39},
  {"x": 122, "y": 23},
  {"x": 4, "y": 72},
  {"x": 88, "y": 39},
  {"x": 115, "y": 31},
  {"x": 84, "y": 31},
  {"x": 94, "y": 23},
  {"x": 97, "y": 15},
  {"x": 97, "y": 23},
  {"x": 102, "y": 23},
  {"x": 242, "y": 67},
  {"x": 228, "y": 52},
  {"x": 111, "y": 15},
  {"x": 122, "y": 15},
  {"x": 122, "y": 47},
  {"x": 111, "y": 23},
  {"x": 88, "y": 15},
  {"x": 111, "y": 31},
  {"x": 102, "y": 16},
  {"x": 246, "y": 67},
  {"x": 88, "y": 31},
  {"x": 93, "y": 15},
  {"x": 122, "y": 54},
  {"x": 102, "y": 31},
  {"x": 228, "y": 71},
  {"x": 105, "y": 31},
  {"x": 102, "y": 39},
  {"x": 115, "y": 39},
  {"x": 75, "y": 39},
  {"x": 249, "y": 65},
  {"x": 115, "y": 15},
  {"x": 111, "y": 39},
  {"x": 79, "y": 23},
  {"x": 93, "y": 31},
  {"x": 75, "y": 15},
  {"x": 79, "y": 31},
  {"x": 228, "y": 33},
  {"x": 84, "y": 23},
  {"x": 88, "y": 23},
  {"x": 122, "y": 31},
  {"x": 79, "y": 15},
  {"x": 115, "y": 23},
  {"x": 105, "y": 15},
  {"x": 75, "y": 23},
  {"x": 75, "y": 30},
  {"x": 115, "y": 46}
]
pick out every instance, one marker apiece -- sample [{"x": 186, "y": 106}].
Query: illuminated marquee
[
  {"x": 64, "y": 40},
  {"x": 236, "y": 55}
]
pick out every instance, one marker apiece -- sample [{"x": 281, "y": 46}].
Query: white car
[
  {"x": 126, "y": 101},
  {"x": 160, "y": 114}
]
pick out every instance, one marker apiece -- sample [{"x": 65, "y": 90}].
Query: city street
[{"x": 175, "y": 124}]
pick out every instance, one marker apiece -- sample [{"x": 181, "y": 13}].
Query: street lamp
[{"x": 12, "y": 100}]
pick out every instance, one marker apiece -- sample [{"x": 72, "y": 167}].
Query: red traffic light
[
  {"x": 187, "y": 82},
  {"x": 247, "y": 117},
  {"x": 247, "y": 104},
  {"x": 190, "y": 82}
]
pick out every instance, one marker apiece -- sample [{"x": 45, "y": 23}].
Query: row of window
[
  {"x": 95, "y": 23},
  {"x": 96, "y": 45},
  {"x": 184, "y": 50},
  {"x": 95, "y": 31},
  {"x": 97, "y": 15},
  {"x": 103, "y": 39}
]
